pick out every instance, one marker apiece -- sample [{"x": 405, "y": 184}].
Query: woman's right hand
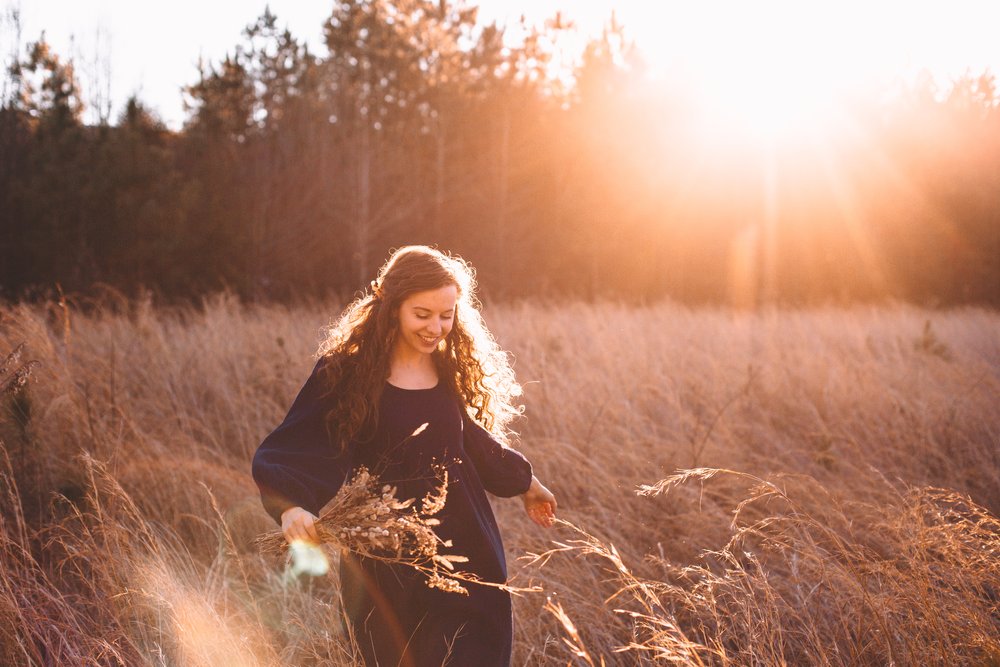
[
  {"x": 539, "y": 503},
  {"x": 299, "y": 524}
]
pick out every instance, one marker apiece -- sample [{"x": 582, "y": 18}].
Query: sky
[{"x": 153, "y": 48}]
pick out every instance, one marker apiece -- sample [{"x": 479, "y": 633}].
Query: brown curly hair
[{"x": 357, "y": 349}]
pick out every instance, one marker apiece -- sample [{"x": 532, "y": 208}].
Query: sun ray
[{"x": 852, "y": 216}]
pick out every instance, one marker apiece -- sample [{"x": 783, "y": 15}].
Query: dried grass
[
  {"x": 367, "y": 519},
  {"x": 836, "y": 502},
  {"x": 809, "y": 578}
]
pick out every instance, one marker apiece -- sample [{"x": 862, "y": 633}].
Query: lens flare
[{"x": 308, "y": 559}]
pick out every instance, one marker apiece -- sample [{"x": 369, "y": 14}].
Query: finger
[
  {"x": 310, "y": 529},
  {"x": 302, "y": 534},
  {"x": 305, "y": 529}
]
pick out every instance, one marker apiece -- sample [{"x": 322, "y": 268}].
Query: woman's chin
[{"x": 422, "y": 346}]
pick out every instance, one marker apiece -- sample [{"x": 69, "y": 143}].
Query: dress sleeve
[
  {"x": 505, "y": 472},
  {"x": 297, "y": 465}
]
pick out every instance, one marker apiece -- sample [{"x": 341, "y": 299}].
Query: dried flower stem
[{"x": 367, "y": 519}]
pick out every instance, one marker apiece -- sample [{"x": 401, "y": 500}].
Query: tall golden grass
[{"x": 785, "y": 487}]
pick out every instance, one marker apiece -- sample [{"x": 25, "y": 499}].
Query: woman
[{"x": 414, "y": 351}]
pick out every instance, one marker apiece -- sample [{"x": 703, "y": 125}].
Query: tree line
[{"x": 296, "y": 171}]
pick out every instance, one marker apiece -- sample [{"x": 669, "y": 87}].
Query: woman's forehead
[{"x": 440, "y": 299}]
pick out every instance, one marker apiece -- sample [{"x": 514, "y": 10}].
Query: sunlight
[
  {"x": 849, "y": 205},
  {"x": 196, "y": 625},
  {"x": 778, "y": 70},
  {"x": 765, "y": 98},
  {"x": 307, "y": 559},
  {"x": 769, "y": 71}
]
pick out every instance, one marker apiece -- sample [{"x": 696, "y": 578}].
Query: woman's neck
[{"x": 412, "y": 371}]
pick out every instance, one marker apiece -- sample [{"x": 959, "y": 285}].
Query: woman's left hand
[{"x": 539, "y": 503}]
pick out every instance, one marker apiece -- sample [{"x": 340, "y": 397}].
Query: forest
[{"x": 296, "y": 170}]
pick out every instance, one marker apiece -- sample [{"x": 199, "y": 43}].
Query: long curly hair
[{"x": 357, "y": 349}]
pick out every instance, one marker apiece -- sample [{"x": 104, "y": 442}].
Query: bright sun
[
  {"x": 781, "y": 70},
  {"x": 767, "y": 89}
]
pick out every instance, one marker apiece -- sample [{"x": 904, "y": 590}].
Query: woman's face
[{"x": 425, "y": 318}]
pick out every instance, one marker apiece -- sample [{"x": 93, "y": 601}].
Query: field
[{"x": 838, "y": 506}]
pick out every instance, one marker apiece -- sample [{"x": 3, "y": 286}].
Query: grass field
[{"x": 839, "y": 504}]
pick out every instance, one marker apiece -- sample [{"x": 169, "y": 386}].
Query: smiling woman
[
  {"x": 425, "y": 320},
  {"x": 411, "y": 383}
]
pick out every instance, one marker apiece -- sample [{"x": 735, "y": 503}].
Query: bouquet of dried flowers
[{"x": 367, "y": 519}]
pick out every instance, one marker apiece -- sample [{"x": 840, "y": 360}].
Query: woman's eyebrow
[{"x": 430, "y": 310}]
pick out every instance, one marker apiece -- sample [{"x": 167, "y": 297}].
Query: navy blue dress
[{"x": 396, "y": 618}]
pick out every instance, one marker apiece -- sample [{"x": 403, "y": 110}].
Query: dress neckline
[{"x": 389, "y": 384}]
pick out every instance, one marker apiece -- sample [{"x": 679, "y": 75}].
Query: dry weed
[
  {"x": 367, "y": 519},
  {"x": 856, "y": 524},
  {"x": 811, "y": 578}
]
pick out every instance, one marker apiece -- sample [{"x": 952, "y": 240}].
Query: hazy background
[{"x": 706, "y": 152}]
